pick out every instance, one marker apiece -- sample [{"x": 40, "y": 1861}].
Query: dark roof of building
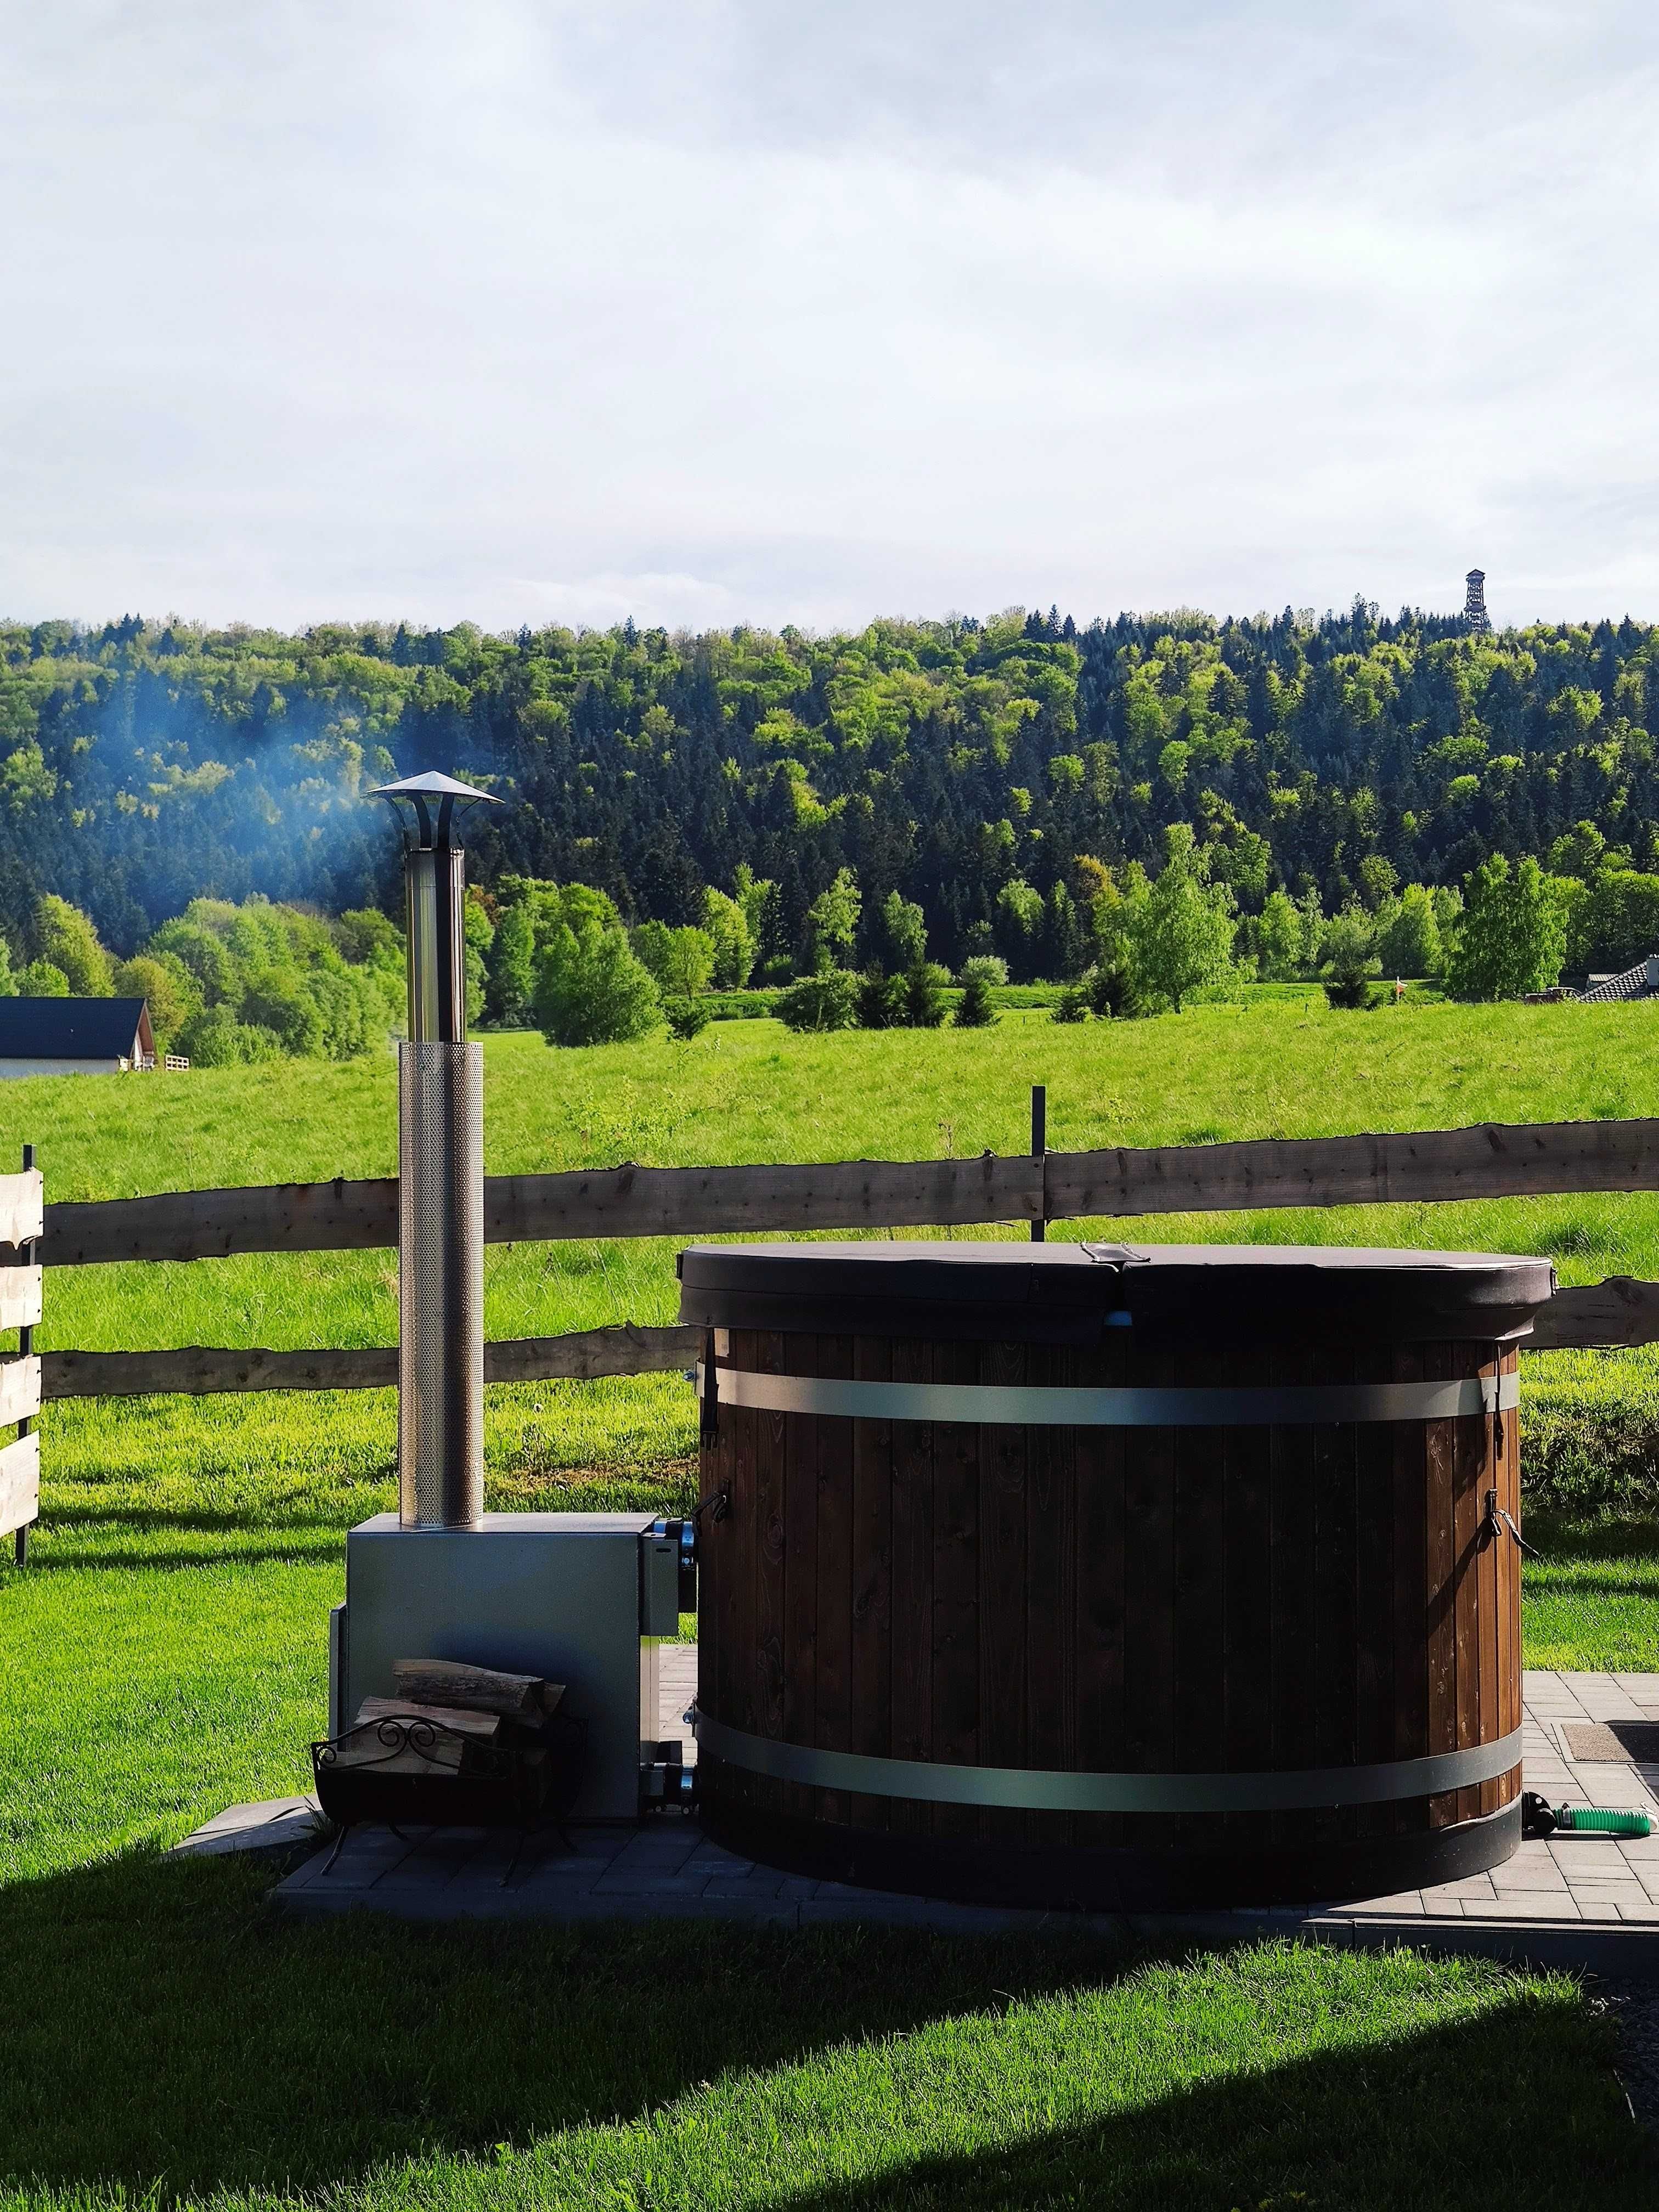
[
  {"x": 74, "y": 1028},
  {"x": 1632, "y": 984}
]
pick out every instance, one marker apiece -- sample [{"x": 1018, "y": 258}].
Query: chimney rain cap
[{"x": 424, "y": 793}]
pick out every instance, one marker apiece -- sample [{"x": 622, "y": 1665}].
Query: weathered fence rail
[
  {"x": 202, "y": 1369},
  {"x": 1488, "y": 1161},
  {"x": 1619, "y": 1313},
  {"x": 626, "y": 1201},
  {"x": 1491, "y": 1160}
]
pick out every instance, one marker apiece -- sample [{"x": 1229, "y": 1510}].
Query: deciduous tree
[
  {"x": 590, "y": 988},
  {"x": 1514, "y": 936},
  {"x": 1180, "y": 936}
]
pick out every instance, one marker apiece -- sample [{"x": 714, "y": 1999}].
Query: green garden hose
[
  {"x": 1597, "y": 1821},
  {"x": 1539, "y": 1818}
]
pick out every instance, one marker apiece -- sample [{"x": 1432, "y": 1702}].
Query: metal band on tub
[
  {"x": 1064, "y": 1405},
  {"x": 1048, "y": 1789}
]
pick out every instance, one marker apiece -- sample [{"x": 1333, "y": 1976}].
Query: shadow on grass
[
  {"x": 96, "y": 1511},
  {"x": 160, "y": 2029},
  {"x": 1565, "y": 1539},
  {"x": 82, "y": 1540},
  {"x": 96, "y": 1531},
  {"x": 158, "y": 2022},
  {"x": 262, "y": 1548}
]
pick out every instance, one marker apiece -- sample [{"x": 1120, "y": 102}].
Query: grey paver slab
[
  {"x": 1523, "y": 1905},
  {"x": 656, "y": 1847},
  {"x": 646, "y": 1884},
  {"x": 278, "y": 1824},
  {"x": 1604, "y": 1906},
  {"x": 564, "y": 1872},
  {"x": 364, "y": 1857},
  {"x": 1529, "y": 1874}
]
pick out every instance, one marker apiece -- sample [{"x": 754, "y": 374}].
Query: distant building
[
  {"x": 1641, "y": 981},
  {"x": 75, "y": 1036},
  {"x": 1474, "y": 602}
]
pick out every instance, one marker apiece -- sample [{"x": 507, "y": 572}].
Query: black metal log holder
[{"x": 526, "y": 1780}]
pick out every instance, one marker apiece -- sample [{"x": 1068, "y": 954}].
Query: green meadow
[
  {"x": 164, "y": 1656},
  {"x": 124, "y": 1472}
]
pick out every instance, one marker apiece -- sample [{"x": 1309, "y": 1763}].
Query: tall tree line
[{"x": 968, "y": 766}]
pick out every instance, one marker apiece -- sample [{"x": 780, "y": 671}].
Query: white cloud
[{"x": 713, "y": 312}]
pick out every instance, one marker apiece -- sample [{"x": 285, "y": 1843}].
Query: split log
[
  {"x": 484, "y": 1727},
  {"x": 440, "y": 1752},
  {"x": 364, "y": 1747},
  {"x": 477, "y": 1689}
]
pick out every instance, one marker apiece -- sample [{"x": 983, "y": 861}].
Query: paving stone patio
[{"x": 1592, "y": 1902}]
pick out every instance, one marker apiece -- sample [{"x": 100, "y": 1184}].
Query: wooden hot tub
[{"x": 1098, "y": 1575}]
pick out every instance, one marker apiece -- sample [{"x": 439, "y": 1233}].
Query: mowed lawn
[{"x": 164, "y": 1656}]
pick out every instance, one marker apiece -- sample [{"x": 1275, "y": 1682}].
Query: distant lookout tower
[{"x": 1475, "y": 617}]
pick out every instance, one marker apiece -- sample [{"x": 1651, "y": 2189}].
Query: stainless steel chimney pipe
[{"x": 439, "y": 1178}]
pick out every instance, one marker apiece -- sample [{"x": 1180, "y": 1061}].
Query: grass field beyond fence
[{"x": 750, "y": 1091}]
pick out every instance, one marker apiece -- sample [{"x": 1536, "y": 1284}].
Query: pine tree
[
  {"x": 510, "y": 985},
  {"x": 973, "y": 1008}
]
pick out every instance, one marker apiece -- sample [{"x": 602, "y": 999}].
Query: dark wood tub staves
[{"x": 1144, "y": 1599}]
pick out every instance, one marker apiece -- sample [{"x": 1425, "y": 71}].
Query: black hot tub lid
[{"x": 1068, "y": 1292}]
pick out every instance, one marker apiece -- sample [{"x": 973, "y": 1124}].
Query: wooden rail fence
[
  {"x": 1488, "y": 1161},
  {"x": 1425, "y": 1166}
]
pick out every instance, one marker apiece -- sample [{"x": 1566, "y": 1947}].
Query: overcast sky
[{"x": 706, "y": 311}]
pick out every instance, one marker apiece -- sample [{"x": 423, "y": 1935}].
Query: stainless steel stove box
[
  {"x": 581, "y": 1598},
  {"x": 584, "y": 1599}
]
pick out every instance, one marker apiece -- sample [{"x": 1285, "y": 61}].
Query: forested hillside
[{"x": 965, "y": 764}]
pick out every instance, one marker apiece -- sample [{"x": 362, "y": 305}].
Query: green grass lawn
[
  {"x": 164, "y": 1656},
  {"x": 165, "y": 2043}
]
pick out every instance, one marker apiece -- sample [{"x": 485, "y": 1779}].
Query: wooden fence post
[
  {"x": 25, "y": 1346},
  {"x": 1039, "y": 1146}
]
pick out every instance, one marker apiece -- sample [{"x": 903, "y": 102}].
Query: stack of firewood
[{"x": 467, "y": 1705}]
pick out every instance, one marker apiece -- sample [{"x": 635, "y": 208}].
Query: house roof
[
  {"x": 74, "y": 1028},
  {"x": 1634, "y": 983}
]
